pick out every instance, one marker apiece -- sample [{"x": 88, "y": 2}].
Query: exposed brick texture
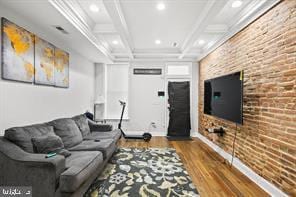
[{"x": 266, "y": 51}]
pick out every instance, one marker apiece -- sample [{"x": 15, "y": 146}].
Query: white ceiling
[
  {"x": 100, "y": 17},
  {"x": 146, "y": 23},
  {"x": 136, "y": 24},
  {"x": 42, "y": 17}
]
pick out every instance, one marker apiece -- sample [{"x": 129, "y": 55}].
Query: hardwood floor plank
[{"x": 209, "y": 172}]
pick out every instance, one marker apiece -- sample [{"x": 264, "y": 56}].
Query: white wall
[
  {"x": 100, "y": 91},
  {"x": 117, "y": 89},
  {"x": 138, "y": 118},
  {"x": 195, "y": 89},
  {"x": 145, "y": 106},
  {"x": 22, "y": 104}
]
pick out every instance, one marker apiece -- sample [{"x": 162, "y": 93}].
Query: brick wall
[{"x": 266, "y": 51}]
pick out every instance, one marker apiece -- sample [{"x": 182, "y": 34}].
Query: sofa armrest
[
  {"x": 19, "y": 168},
  {"x": 95, "y": 127}
]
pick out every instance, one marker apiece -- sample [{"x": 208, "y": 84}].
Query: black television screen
[{"x": 223, "y": 97}]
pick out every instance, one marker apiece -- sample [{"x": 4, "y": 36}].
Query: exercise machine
[{"x": 146, "y": 136}]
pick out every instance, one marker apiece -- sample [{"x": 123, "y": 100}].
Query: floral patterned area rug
[{"x": 157, "y": 172}]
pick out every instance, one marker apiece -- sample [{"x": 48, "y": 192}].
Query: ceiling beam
[
  {"x": 216, "y": 29},
  {"x": 149, "y": 54},
  {"x": 244, "y": 18},
  {"x": 104, "y": 29},
  {"x": 159, "y": 53},
  {"x": 114, "y": 10},
  {"x": 76, "y": 8},
  {"x": 66, "y": 8},
  {"x": 152, "y": 59},
  {"x": 211, "y": 9}
]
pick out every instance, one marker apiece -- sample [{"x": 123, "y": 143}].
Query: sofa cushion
[
  {"x": 93, "y": 126},
  {"x": 106, "y": 146},
  {"x": 49, "y": 144},
  {"x": 82, "y": 123},
  {"x": 22, "y": 136},
  {"x": 67, "y": 129},
  {"x": 80, "y": 165},
  {"x": 115, "y": 135}
]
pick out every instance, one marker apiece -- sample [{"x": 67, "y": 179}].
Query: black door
[{"x": 179, "y": 109}]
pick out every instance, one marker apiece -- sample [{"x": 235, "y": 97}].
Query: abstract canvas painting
[
  {"x": 44, "y": 62},
  {"x": 61, "y": 68},
  {"x": 17, "y": 53}
]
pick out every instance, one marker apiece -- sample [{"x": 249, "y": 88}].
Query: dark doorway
[{"x": 179, "y": 110}]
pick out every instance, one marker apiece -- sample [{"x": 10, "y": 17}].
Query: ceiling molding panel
[
  {"x": 104, "y": 29},
  {"x": 114, "y": 9},
  {"x": 217, "y": 21},
  {"x": 76, "y": 8},
  {"x": 216, "y": 28},
  {"x": 212, "y": 7},
  {"x": 248, "y": 15},
  {"x": 68, "y": 8}
]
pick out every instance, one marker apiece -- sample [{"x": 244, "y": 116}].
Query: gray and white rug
[{"x": 157, "y": 172}]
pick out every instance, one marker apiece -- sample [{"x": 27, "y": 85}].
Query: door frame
[{"x": 177, "y": 78}]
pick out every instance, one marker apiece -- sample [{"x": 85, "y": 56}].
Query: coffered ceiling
[{"x": 178, "y": 30}]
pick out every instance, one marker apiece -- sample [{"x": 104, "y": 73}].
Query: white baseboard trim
[
  {"x": 154, "y": 133},
  {"x": 159, "y": 133},
  {"x": 194, "y": 134},
  {"x": 260, "y": 181}
]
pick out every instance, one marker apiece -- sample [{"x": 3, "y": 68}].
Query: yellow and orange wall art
[
  {"x": 17, "y": 53},
  {"x": 61, "y": 65},
  {"x": 29, "y": 58},
  {"x": 44, "y": 62}
]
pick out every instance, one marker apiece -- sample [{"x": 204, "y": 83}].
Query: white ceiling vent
[{"x": 175, "y": 44}]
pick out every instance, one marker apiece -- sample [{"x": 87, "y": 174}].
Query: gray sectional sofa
[{"x": 84, "y": 148}]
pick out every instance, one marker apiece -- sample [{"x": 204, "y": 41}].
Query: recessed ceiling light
[
  {"x": 160, "y": 6},
  {"x": 201, "y": 42},
  {"x": 236, "y": 4},
  {"x": 157, "y": 41},
  {"x": 115, "y": 42},
  {"x": 94, "y": 8}
]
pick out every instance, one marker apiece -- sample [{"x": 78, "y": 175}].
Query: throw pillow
[
  {"x": 67, "y": 129},
  {"x": 82, "y": 123},
  {"x": 50, "y": 144},
  {"x": 22, "y": 136}
]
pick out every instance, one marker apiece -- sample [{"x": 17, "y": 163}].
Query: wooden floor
[{"x": 210, "y": 173}]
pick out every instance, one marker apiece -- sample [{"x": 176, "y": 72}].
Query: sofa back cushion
[
  {"x": 67, "y": 129},
  {"x": 49, "y": 144},
  {"x": 22, "y": 136},
  {"x": 82, "y": 123}
]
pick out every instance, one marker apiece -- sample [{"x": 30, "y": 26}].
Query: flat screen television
[{"x": 223, "y": 97}]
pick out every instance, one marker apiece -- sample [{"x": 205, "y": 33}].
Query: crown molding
[
  {"x": 216, "y": 28},
  {"x": 212, "y": 7},
  {"x": 76, "y": 8},
  {"x": 68, "y": 9},
  {"x": 108, "y": 29},
  {"x": 157, "y": 53},
  {"x": 72, "y": 11},
  {"x": 247, "y": 16},
  {"x": 115, "y": 12},
  {"x": 152, "y": 59},
  {"x": 203, "y": 15}
]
